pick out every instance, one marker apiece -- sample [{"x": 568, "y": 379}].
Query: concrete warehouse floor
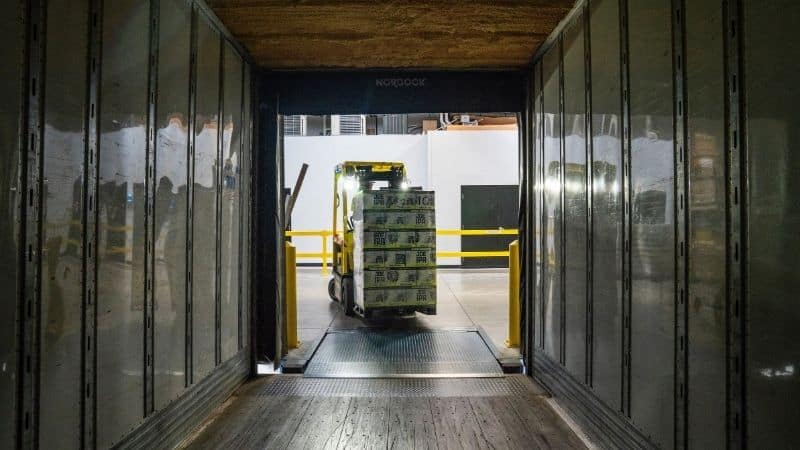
[{"x": 466, "y": 298}]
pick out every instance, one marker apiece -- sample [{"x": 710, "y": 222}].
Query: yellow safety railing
[
  {"x": 489, "y": 232},
  {"x": 324, "y": 255},
  {"x": 513, "y": 274}
]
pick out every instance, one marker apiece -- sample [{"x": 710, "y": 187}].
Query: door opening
[
  {"x": 469, "y": 165},
  {"x": 488, "y": 207}
]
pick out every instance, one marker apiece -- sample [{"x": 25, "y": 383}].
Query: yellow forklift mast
[{"x": 351, "y": 177}]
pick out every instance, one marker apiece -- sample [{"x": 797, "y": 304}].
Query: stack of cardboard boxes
[{"x": 395, "y": 251}]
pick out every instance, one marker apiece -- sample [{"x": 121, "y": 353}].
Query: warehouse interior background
[
  {"x": 144, "y": 162},
  {"x": 475, "y": 190},
  {"x": 439, "y": 160}
]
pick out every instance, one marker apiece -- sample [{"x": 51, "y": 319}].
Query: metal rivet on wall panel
[
  {"x": 218, "y": 210},
  {"x": 89, "y": 320},
  {"x": 149, "y": 264},
  {"x": 589, "y": 194},
  {"x": 540, "y": 152},
  {"x": 242, "y": 214},
  {"x": 189, "y": 363},
  {"x": 736, "y": 168},
  {"x": 29, "y": 170},
  {"x": 562, "y": 205},
  {"x": 626, "y": 194},
  {"x": 681, "y": 227}
]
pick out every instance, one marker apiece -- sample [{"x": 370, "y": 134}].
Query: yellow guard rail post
[
  {"x": 291, "y": 296},
  {"x": 513, "y": 295}
]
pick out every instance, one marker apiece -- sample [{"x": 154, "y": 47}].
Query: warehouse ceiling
[{"x": 295, "y": 34}]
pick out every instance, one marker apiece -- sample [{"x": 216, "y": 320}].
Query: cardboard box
[
  {"x": 429, "y": 125},
  {"x": 392, "y": 199},
  {"x": 388, "y": 220},
  {"x": 398, "y": 259},
  {"x": 404, "y": 297},
  {"x": 394, "y": 278},
  {"x": 390, "y": 239}
]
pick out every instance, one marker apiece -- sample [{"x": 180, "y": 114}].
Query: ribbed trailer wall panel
[
  {"x": 63, "y": 204},
  {"x": 230, "y": 211},
  {"x": 12, "y": 95},
  {"x": 652, "y": 208},
  {"x": 99, "y": 187},
  {"x": 551, "y": 208},
  {"x": 575, "y": 200},
  {"x": 204, "y": 199},
  {"x": 691, "y": 261},
  {"x": 171, "y": 195},
  {"x": 706, "y": 161},
  {"x": 121, "y": 159},
  {"x": 607, "y": 204},
  {"x": 770, "y": 138}
]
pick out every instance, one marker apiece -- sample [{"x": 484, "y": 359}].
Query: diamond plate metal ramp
[
  {"x": 515, "y": 385},
  {"x": 368, "y": 353}
]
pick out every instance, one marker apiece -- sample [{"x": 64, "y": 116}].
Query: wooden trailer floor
[{"x": 292, "y": 411}]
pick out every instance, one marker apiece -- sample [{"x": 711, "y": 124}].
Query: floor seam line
[{"x": 458, "y": 300}]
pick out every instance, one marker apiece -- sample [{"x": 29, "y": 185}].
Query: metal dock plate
[{"x": 369, "y": 353}]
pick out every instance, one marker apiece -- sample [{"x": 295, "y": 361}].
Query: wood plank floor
[{"x": 286, "y": 411}]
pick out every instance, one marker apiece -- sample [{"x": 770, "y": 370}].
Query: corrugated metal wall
[
  {"x": 662, "y": 242},
  {"x": 126, "y": 170}
]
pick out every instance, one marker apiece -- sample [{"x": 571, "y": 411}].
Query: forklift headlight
[{"x": 349, "y": 184}]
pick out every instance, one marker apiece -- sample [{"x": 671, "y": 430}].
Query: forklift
[{"x": 351, "y": 177}]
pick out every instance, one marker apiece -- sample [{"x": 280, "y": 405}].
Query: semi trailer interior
[{"x": 143, "y": 273}]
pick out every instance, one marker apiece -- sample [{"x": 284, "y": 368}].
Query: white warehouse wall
[
  {"x": 459, "y": 158},
  {"x": 441, "y": 161}
]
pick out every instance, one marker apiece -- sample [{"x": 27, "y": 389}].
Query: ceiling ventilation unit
[
  {"x": 294, "y": 125},
  {"x": 348, "y": 125}
]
